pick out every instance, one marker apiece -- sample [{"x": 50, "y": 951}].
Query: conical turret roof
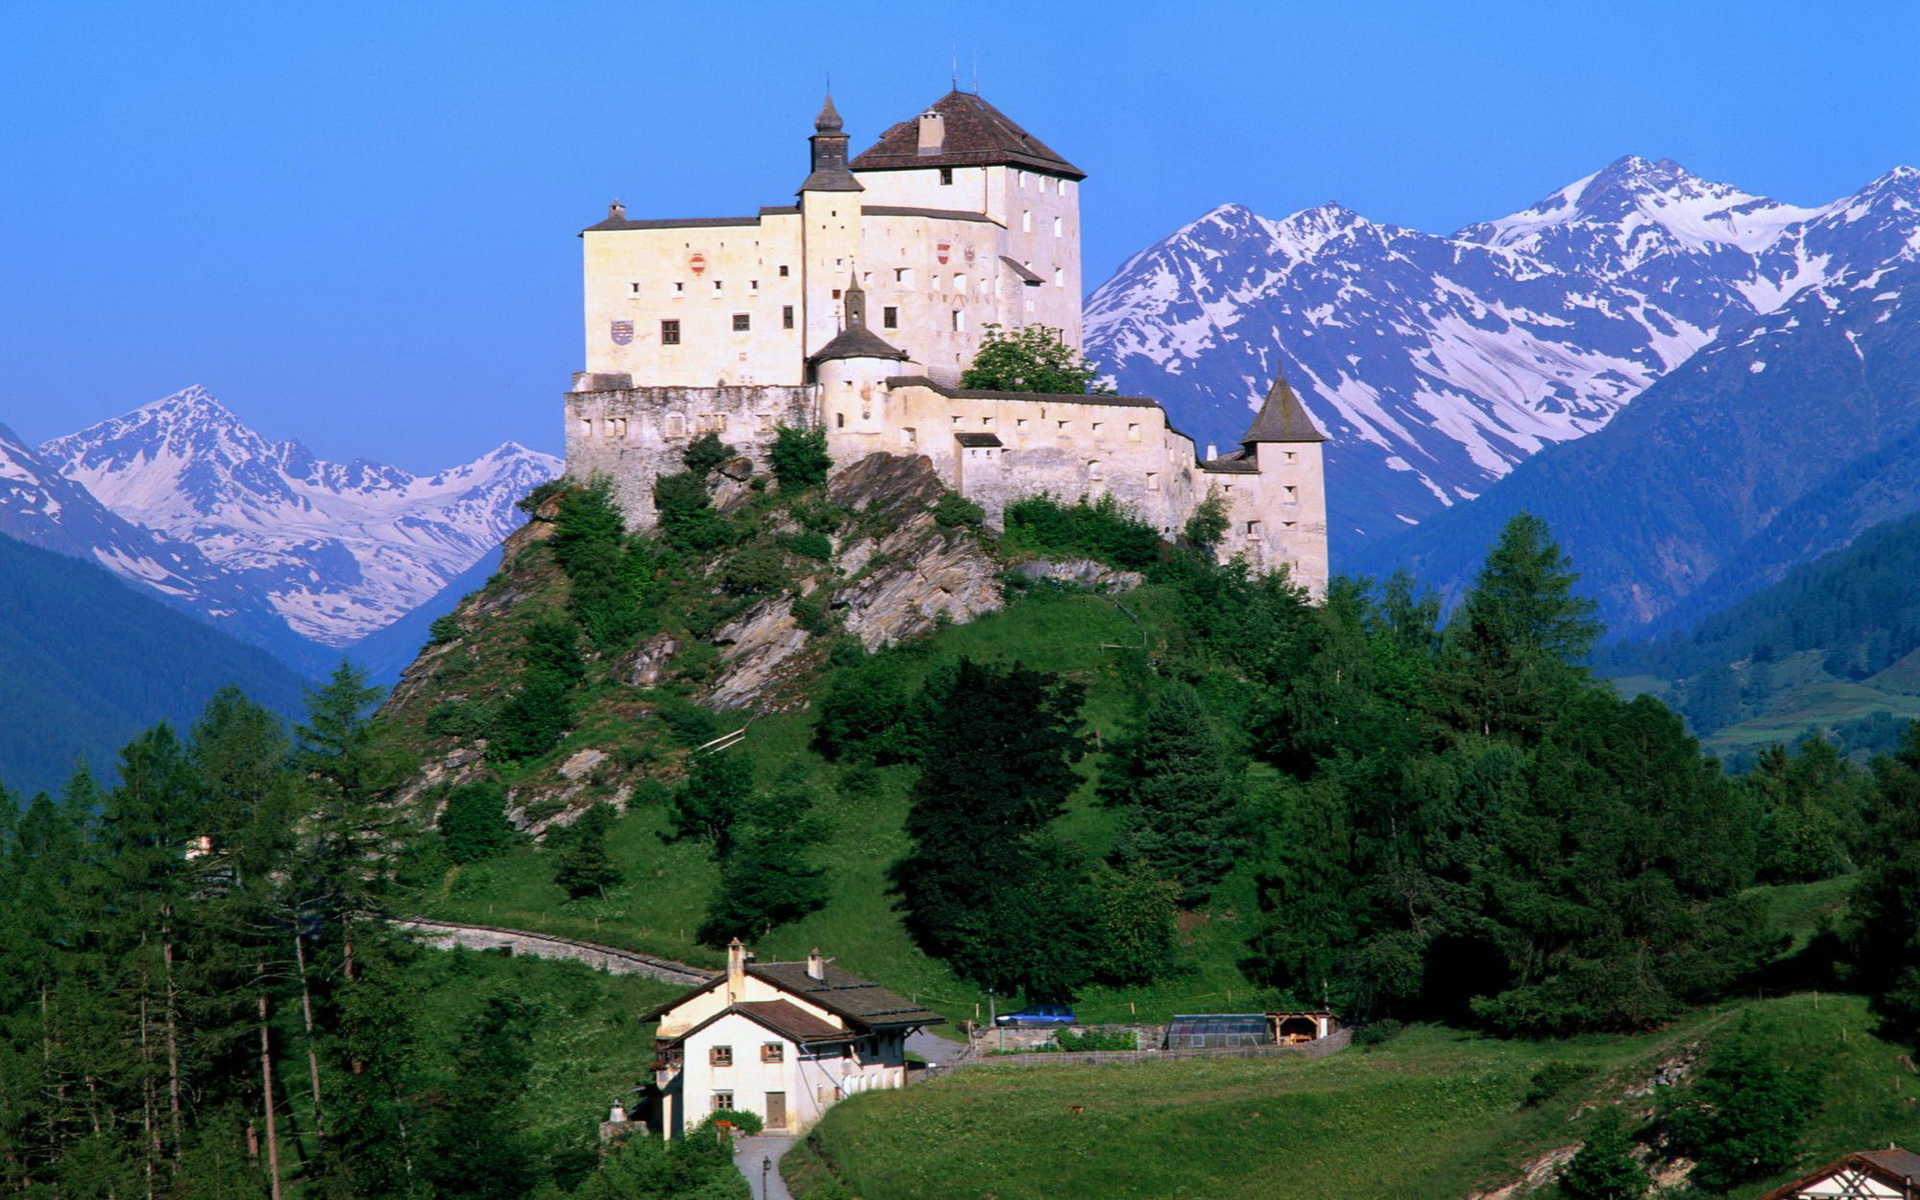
[
  {"x": 1282, "y": 418},
  {"x": 829, "y": 119}
]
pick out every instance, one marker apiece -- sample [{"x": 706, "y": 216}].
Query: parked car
[{"x": 1037, "y": 1016}]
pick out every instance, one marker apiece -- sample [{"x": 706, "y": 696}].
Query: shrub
[
  {"x": 1102, "y": 530},
  {"x": 687, "y": 518},
  {"x": 706, "y": 453},
  {"x": 954, "y": 511},
  {"x": 821, "y": 517},
  {"x": 812, "y": 614},
  {"x": 809, "y": 545},
  {"x": 583, "y": 864},
  {"x": 1097, "y": 1039},
  {"x": 534, "y": 718},
  {"x": 799, "y": 458},
  {"x": 687, "y": 723},
  {"x": 1552, "y": 1079},
  {"x": 445, "y": 628},
  {"x": 757, "y": 568},
  {"x": 861, "y": 712},
  {"x": 746, "y": 1122},
  {"x": 474, "y": 823},
  {"x": 1208, "y": 524},
  {"x": 464, "y": 719},
  {"x": 1377, "y": 1033},
  {"x": 531, "y": 502}
]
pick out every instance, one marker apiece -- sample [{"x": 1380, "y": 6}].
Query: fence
[{"x": 1101, "y": 1058}]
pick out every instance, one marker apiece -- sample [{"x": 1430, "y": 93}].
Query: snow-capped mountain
[
  {"x": 1437, "y": 363},
  {"x": 338, "y": 550}
]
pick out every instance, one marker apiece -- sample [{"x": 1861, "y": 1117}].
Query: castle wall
[
  {"x": 647, "y": 276},
  {"x": 940, "y": 309},
  {"x": 634, "y": 435}
]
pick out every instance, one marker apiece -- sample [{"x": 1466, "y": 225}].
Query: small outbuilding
[
  {"x": 1213, "y": 1031},
  {"x": 1294, "y": 1028},
  {"x": 1890, "y": 1174}
]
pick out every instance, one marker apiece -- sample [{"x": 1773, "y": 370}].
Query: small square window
[
  {"x": 786, "y": 316},
  {"x": 722, "y": 1101},
  {"x": 836, "y": 293},
  {"x": 1097, "y": 428},
  {"x": 959, "y": 321},
  {"x": 669, "y": 333},
  {"x": 679, "y": 289},
  {"x": 742, "y": 322},
  {"x": 1133, "y": 432},
  {"x": 635, "y": 287},
  {"x": 946, "y": 176},
  {"x": 890, "y": 317},
  {"x": 773, "y": 1052},
  {"x": 753, "y": 285},
  {"x": 720, "y": 1056},
  {"x": 716, "y": 285},
  {"x": 1064, "y": 426},
  {"x": 783, "y": 272}
]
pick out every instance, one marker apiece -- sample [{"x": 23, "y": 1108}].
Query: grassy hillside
[
  {"x": 667, "y": 884},
  {"x": 1435, "y": 1113}
]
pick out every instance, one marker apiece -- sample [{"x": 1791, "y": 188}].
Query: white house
[
  {"x": 784, "y": 1040},
  {"x": 1890, "y": 1174}
]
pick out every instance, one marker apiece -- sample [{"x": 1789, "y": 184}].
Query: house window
[
  {"x": 742, "y": 322},
  {"x": 1026, "y": 220},
  {"x": 890, "y": 317},
  {"x": 1057, "y": 227},
  {"x": 946, "y": 176},
  {"x": 720, "y": 1056},
  {"x": 783, "y": 272},
  {"x": 669, "y": 333},
  {"x": 959, "y": 321},
  {"x": 773, "y": 1052},
  {"x": 722, "y": 1101},
  {"x": 786, "y": 316}
]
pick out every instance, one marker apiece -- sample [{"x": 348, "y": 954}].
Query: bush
[
  {"x": 1097, "y": 1039},
  {"x": 687, "y": 518},
  {"x": 534, "y": 718},
  {"x": 1377, "y": 1033},
  {"x": 463, "y": 719},
  {"x": 474, "y": 823},
  {"x": 1208, "y": 524},
  {"x": 860, "y": 714},
  {"x": 1031, "y": 358},
  {"x": 706, "y": 453},
  {"x": 809, "y": 545},
  {"x": 583, "y": 865},
  {"x": 821, "y": 517},
  {"x": 1102, "y": 530},
  {"x": 531, "y": 502},
  {"x": 1549, "y": 1081},
  {"x": 812, "y": 614},
  {"x": 757, "y": 568},
  {"x": 444, "y": 629},
  {"x": 746, "y": 1122},
  {"x": 687, "y": 723},
  {"x": 954, "y": 511},
  {"x": 799, "y": 458}
]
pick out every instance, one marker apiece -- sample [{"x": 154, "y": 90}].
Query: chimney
[
  {"x": 816, "y": 966},
  {"x": 616, "y": 211},
  {"x": 736, "y": 971},
  {"x": 1213, "y": 452},
  {"x": 933, "y": 133}
]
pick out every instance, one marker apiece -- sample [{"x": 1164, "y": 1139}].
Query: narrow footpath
[{"x": 759, "y": 1160}]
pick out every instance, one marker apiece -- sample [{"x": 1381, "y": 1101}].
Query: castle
[{"x": 953, "y": 221}]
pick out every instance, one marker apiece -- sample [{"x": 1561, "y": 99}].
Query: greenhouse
[{"x": 1210, "y": 1030}]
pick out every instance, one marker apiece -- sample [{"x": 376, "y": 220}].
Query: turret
[
  {"x": 828, "y": 160},
  {"x": 852, "y": 371},
  {"x": 1288, "y": 521}
]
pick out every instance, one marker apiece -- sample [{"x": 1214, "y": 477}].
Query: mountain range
[
  {"x": 1436, "y": 364},
  {"x": 261, "y": 538}
]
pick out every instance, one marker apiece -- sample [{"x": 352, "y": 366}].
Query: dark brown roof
[
  {"x": 1232, "y": 464},
  {"x": 672, "y": 223},
  {"x": 1282, "y": 418},
  {"x": 975, "y": 440},
  {"x": 860, "y": 1003},
  {"x": 942, "y": 214},
  {"x": 856, "y": 341},
  {"x": 1037, "y": 397},
  {"x": 1892, "y": 1166},
  {"x": 976, "y": 135},
  {"x": 793, "y": 1022},
  {"x": 1027, "y": 277}
]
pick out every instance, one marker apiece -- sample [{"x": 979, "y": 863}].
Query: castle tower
[
  {"x": 1289, "y": 522},
  {"x": 851, "y": 371},
  {"x": 830, "y": 231}
]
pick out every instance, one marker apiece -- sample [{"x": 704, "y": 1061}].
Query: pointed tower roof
[
  {"x": 976, "y": 134},
  {"x": 829, "y": 119},
  {"x": 856, "y": 340},
  {"x": 828, "y": 154},
  {"x": 1282, "y": 418}
]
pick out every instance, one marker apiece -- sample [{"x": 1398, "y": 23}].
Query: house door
[{"x": 776, "y": 1110}]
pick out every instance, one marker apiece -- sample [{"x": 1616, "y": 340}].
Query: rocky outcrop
[
  {"x": 902, "y": 573},
  {"x": 1079, "y": 572}
]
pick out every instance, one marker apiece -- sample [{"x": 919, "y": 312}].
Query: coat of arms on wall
[
  {"x": 622, "y": 332},
  {"x": 944, "y": 251}
]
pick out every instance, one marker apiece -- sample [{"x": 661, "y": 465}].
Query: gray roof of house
[
  {"x": 940, "y": 214},
  {"x": 976, "y": 134},
  {"x": 845, "y": 995},
  {"x": 1027, "y": 277},
  {"x": 1037, "y": 397},
  {"x": 1282, "y": 418}
]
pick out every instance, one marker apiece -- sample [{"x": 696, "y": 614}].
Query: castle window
[
  {"x": 1065, "y": 425},
  {"x": 753, "y": 285},
  {"x": 1153, "y": 481},
  {"x": 946, "y": 176},
  {"x": 890, "y": 317},
  {"x": 960, "y": 284},
  {"x": 957, "y": 420},
  {"x": 1133, "y": 432},
  {"x": 836, "y": 293},
  {"x": 1286, "y": 524},
  {"x": 680, "y": 289},
  {"x": 1097, "y": 427},
  {"x": 669, "y": 333},
  {"x": 1023, "y": 179},
  {"x": 1058, "y": 227},
  {"x": 839, "y": 420},
  {"x": 1289, "y": 455},
  {"x": 935, "y": 282},
  {"x": 986, "y": 422},
  {"x": 959, "y": 321},
  {"x": 635, "y": 287},
  {"x": 1020, "y": 423},
  {"x": 1059, "y": 277},
  {"x": 1026, "y": 220},
  {"x": 786, "y": 316},
  {"x": 619, "y": 427},
  {"x": 676, "y": 425},
  {"x": 908, "y": 437},
  {"x": 1253, "y": 529},
  {"x": 716, "y": 285},
  {"x": 720, "y": 1056},
  {"x": 783, "y": 272},
  {"x": 1292, "y": 494},
  {"x": 742, "y": 322},
  {"x": 903, "y": 276},
  {"x": 586, "y": 427},
  {"x": 1093, "y": 470}
]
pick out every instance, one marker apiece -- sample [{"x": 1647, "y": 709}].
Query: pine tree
[
  {"x": 1604, "y": 1168},
  {"x": 766, "y": 876},
  {"x": 715, "y": 797},
  {"x": 1171, "y": 777},
  {"x": 1743, "y": 1120},
  {"x": 583, "y": 865}
]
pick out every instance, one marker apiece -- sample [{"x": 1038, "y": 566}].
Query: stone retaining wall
[
  {"x": 1077, "y": 1058},
  {"x": 611, "y": 959}
]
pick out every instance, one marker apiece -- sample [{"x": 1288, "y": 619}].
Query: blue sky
[{"x": 355, "y": 223}]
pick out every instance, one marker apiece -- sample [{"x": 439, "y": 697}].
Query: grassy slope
[
  {"x": 1436, "y": 1113},
  {"x": 667, "y": 884}
]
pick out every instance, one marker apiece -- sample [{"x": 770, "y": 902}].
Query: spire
[
  {"x": 856, "y": 303},
  {"x": 1282, "y": 418},
  {"x": 829, "y": 154},
  {"x": 829, "y": 119}
]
